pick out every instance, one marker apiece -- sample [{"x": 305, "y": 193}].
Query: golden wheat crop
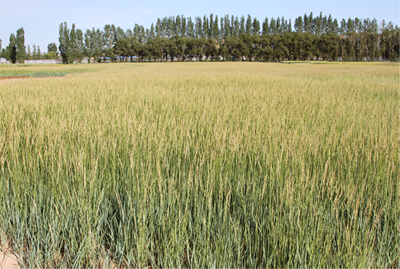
[{"x": 202, "y": 165}]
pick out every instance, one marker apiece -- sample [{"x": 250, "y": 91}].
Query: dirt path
[
  {"x": 3, "y": 79},
  {"x": 6, "y": 79}
]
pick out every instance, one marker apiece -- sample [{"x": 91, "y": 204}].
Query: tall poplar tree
[
  {"x": 272, "y": 26},
  {"x": 28, "y": 53},
  {"x": 39, "y": 53},
  {"x": 227, "y": 27},
  {"x": 80, "y": 46},
  {"x": 183, "y": 27},
  {"x": 190, "y": 28},
  {"x": 177, "y": 26},
  {"x": 265, "y": 27},
  {"x": 72, "y": 45},
  {"x": 12, "y": 49},
  {"x": 158, "y": 28},
  {"x": 152, "y": 31},
  {"x": 20, "y": 43},
  {"x": 199, "y": 27},
  {"x": 34, "y": 52},
  {"x": 216, "y": 28},
  {"x": 211, "y": 26},
  {"x": 205, "y": 27},
  {"x": 236, "y": 25},
  {"x": 248, "y": 25},
  {"x": 256, "y": 27},
  {"x": 233, "y": 29},
  {"x": 63, "y": 40},
  {"x": 170, "y": 27},
  {"x": 242, "y": 28}
]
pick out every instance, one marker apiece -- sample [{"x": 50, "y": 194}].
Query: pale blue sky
[{"x": 41, "y": 18}]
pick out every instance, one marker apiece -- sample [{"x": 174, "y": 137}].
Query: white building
[{"x": 48, "y": 61}]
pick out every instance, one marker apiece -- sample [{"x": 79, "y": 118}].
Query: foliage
[
  {"x": 64, "y": 43},
  {"x": 52, "y": 47},
  {"x": 12, "y": 49},
  {"x": 20, "y": 45},
  {"x": 4, "y": 53},
  {"x": 51, "y": 55},
  {"x": 16, "y": 47},
  {"x": 312, "y": 38},
  {"x": 38, "y": 54}
]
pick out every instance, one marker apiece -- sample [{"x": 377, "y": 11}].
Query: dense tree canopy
[
  {"x": 233, "y": 38},
  {"x": 226, "y": 38}
]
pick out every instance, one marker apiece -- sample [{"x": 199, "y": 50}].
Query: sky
[{"x": 41, "y": 18}]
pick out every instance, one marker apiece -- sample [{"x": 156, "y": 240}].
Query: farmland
[{"x": 201, "y": 165}]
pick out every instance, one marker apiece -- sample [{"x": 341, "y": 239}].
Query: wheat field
[{"x": 201, "y": 165}]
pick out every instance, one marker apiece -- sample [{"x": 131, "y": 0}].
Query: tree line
[
  {"x": 17, "y": 51},
  {"x": 229, "y": 38}
]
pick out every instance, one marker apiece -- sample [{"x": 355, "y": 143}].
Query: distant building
[
  {"x": 48, "y": 61},
  {"x": 3, "y": 61}
]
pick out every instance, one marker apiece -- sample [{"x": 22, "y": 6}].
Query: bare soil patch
[
  {"x": 4, "y": 79},
  {"x": 9, "y": 261}
]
